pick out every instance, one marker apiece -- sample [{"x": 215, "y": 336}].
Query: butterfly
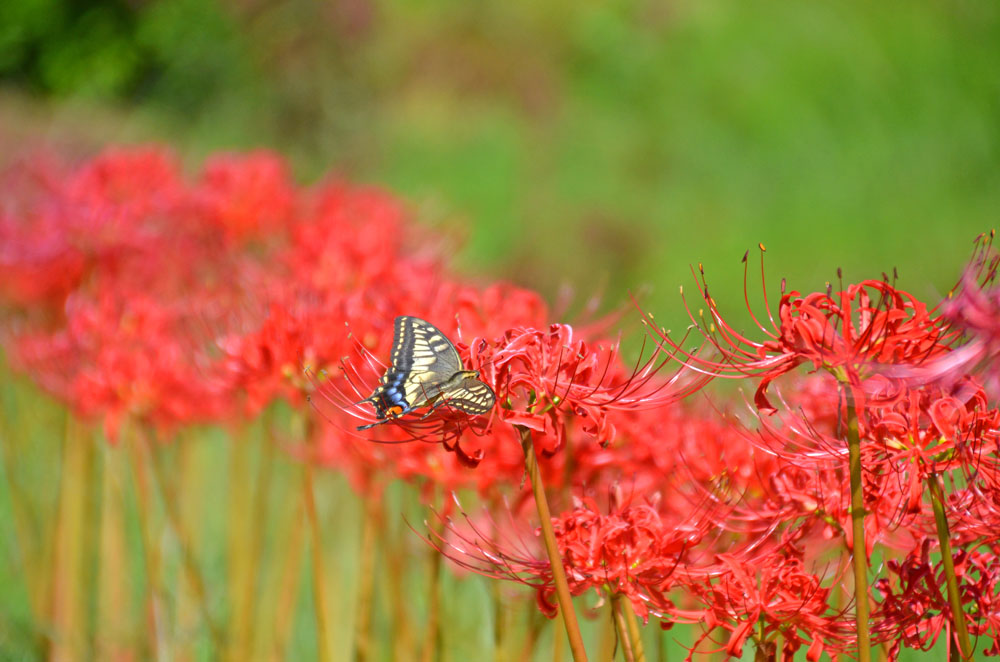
[{"x": 426, "y": 370}]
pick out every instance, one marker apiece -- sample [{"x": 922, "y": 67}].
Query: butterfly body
[{"x": 426, "y": 370}]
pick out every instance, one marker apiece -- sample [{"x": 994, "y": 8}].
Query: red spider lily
[
  {"x": 57, "y": 225},
  {"x": 907, "y": 434},
  {"x": 633, "y": 550},
  {"x": 546, "y": 380},
  {"x": 522, "y": 366},
  {"x": 132, "y": 241},
  {"x": 974, "y": 511},
  {"x": 935, "y": 430},
  {"x": 336, "y": 277},
  {"x": 973, "y": 308},
  {"x": 849, "y": 334},
  {"x": 128, "y": 357},
  {"x": 914, "y": 608},
  {"x": 354, "y": 240},
  {"x": 249, "y": 196},
  {"x": 762, "y": 601},
  {"x": 463, "y": 312}
]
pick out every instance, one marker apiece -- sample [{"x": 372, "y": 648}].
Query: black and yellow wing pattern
[{"x": 426, "y": 370}]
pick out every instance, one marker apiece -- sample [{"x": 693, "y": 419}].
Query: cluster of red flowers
[{"x": 134, "y": 292}]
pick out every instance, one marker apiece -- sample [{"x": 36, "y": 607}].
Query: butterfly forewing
[
  {"x": 423, "y": 360},
  {"x": 420, "y": 350}
]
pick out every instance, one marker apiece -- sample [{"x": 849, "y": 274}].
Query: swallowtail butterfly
[{"x": 426, "y": 370}]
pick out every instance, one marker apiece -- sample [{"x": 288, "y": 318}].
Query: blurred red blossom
[{"x": 632, "y": 550}]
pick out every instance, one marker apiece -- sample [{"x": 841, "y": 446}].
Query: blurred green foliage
[{"x": 589, "y": 143}]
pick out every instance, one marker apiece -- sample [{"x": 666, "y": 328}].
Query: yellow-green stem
[
  {"x": 548, "y": 535},
  {"x": 366, "y": 578},
  {"x": 189, "y": 563},
  {"x": 860, "y": 556},
  {"x": 402, "y": 622},
  {"x": 318, "y": 575},
  {"x": 68, "y": 610},
  {"x": 661, "y": 646},
  {"x": 536, "y": 620},
  {"x": 239, "y": 529},
  {"x": 262, "y": 514},
  {"x": 114, "y": 613},
  {"x": 951, "y": 581},
  {"x": 624, "y": 638},
  {"x": 33, "y": 535},
  {"x": 498, "y": 621},
  {"x": 432, "y": 632},
  {"x": 558, "y": 642},
  {"x": 149, "y": 549},
  {"x": 635, "y": 635},
  {"x": 608, "y": 643},
  {"x": 290, "y": 553}
]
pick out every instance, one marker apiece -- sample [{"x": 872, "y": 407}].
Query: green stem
[
  {"x": 548, "y": 535},
  {"x": 860, "y": 556},
  {"x": 318, "y": 575},
  {"x": 944, "y": 538},
  {"x": 68, "y": 606},
  {"x": 289, "y": 560},
  {"x": 189, "y": 563},
  {"x": 149, "y": 550},
  {"x": 432, "y": 633},
  {"x": 498, "y": 621},
  {"x": 366, "y": 578},
  {"x": 623, "y": 630},
  {"x": 633, "y": 630}
]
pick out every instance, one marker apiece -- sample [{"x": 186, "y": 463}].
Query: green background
[{"x": 602, "y": 145}]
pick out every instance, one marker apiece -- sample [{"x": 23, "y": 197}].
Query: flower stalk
[
  {"x": 622, "y": 626},
  {"x": 366, "y": 578},
  {"x": 318, "y": 575},
  {"x": 551, "y": 547},
  {"x": 189, "y": 564},
  {"x": 67, "y": 599},
  {"x": 635, "y": 635},
  {"x": 944, "y": 538},
  {"x": 430, "y": 647},
  {"x": 858, "y": 530}
]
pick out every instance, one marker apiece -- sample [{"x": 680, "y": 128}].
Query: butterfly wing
[
  {"x": 423, "y": 360},
  {"x": 426, "y": 356},
  {"x": 471, "y": 396}
]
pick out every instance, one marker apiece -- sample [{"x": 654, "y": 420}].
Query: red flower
[
  {"x": 633, "y": 550},
  {"x": 780, "y": 597},
  {"x": 852, "y": 334},
  {"x": 248, "y": 196},
  {"x": 914, "y": 608},
  {"x": 127, "y": 357}
]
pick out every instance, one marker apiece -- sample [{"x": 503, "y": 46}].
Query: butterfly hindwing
[{"x": 471, "y": 396}]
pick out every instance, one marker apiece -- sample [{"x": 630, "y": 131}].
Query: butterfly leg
[
  {"x": 371, "y": 425},
  {"x": 438, "y": 402}
]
